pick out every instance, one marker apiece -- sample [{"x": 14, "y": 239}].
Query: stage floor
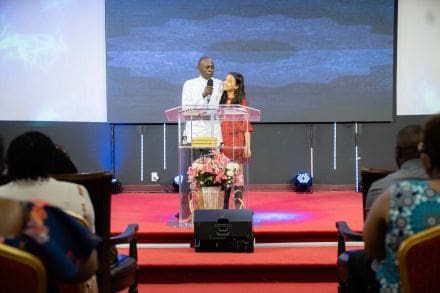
[{"x": 278, "y": 216}]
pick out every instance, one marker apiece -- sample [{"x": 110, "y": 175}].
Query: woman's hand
[{"x": 247, "y": 152}]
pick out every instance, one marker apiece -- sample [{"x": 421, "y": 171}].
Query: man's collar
[
  {"x": 204, "y": 79},
  {"x": 411, "y": 162}
]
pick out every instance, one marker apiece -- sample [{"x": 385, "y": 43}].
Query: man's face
[{"x": 206, "y": 68}]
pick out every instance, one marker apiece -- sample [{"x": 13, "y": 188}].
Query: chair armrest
[
  {"x": 126, "y": 236},
  {"x": 346, "y": 234},
  {"x": 345, "y": 231}
]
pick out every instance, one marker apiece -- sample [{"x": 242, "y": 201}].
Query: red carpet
[
  {"x": 265, "y": 264},
  {"x": 278, "y": 216},
  {"x": 240, "y": 288}
]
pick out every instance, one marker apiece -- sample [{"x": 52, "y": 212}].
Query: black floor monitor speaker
[{"x": 223, "y": 230}]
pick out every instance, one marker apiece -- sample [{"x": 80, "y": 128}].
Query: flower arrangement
[{"x": 214, "y": 169}]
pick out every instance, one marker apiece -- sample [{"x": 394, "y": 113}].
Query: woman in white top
[{"x": 30, "y": 158}]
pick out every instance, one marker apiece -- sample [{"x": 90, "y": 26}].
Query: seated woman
[
  {"x": 30, "y": 159},
  {"x": 405, "y": 209},
  {"x": 66, "y": 247}
]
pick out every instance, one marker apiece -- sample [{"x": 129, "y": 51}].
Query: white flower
[{"x": 232, "y": 166}]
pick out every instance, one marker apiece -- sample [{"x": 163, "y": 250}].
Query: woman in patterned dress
[{"x": 403, "y": 210}]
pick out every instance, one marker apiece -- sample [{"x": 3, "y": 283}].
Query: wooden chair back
[
  {"x": 345, "y": 233},
  {"x": 419, "y": 261},
  {"x": 99, "y": 187},
  {"x": 368, "y": 176}
]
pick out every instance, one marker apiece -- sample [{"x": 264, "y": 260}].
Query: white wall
[{"x": 418, "y": 57}]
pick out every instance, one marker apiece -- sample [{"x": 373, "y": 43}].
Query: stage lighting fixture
[
  {"x": 116, "y": 186},
  {"x": 303, "y": 182},
  {"x": 176, "y": 182}
]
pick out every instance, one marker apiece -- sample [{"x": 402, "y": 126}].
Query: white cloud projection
[{"x": 52, "y": 61}]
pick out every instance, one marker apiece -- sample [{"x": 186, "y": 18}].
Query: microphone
[{"x": 210, "y": 83}]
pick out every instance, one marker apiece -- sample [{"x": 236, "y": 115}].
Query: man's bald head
[{"x": 408, "y": 139}]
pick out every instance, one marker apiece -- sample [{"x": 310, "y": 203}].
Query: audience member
[
  {"x": 408, "y": 161},
  {"x": 66, "y": 247},
  {"x": 63, "y": 164},
  {"x": 360, "y": 276},
  {"x": 30, "y": 158},
  {"x": 406, "y": 208}
]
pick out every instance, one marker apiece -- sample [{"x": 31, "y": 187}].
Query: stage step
[
  {"x": 260, "y": 236},
  {"x": 256, "y": 287},
  {"x": 267, "y": 263}
]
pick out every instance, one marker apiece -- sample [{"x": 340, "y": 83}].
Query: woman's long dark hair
[
  {"x": 239, "y": 94},
  {"x": 30, "y": 155}
]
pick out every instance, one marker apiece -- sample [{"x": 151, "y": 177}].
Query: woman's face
[{"x": 230, "y": 84}]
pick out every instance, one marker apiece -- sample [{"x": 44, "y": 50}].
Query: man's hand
[{"x": 207, "y": 91}]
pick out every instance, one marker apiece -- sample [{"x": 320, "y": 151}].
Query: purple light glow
[{"x": 260, "y": 218}]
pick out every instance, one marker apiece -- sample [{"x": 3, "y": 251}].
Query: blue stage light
[
  {"x": 303, "y": 182},
  {"x": 176, "y": 182},
  {"x": 116, "y": 186}
]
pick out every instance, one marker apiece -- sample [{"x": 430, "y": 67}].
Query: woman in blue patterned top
[{"x": 405, "y": 209}]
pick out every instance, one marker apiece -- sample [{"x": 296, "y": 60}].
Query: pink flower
[
  {"x": 219, "y": 175},
  {"x": 212, "y": 169}
]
